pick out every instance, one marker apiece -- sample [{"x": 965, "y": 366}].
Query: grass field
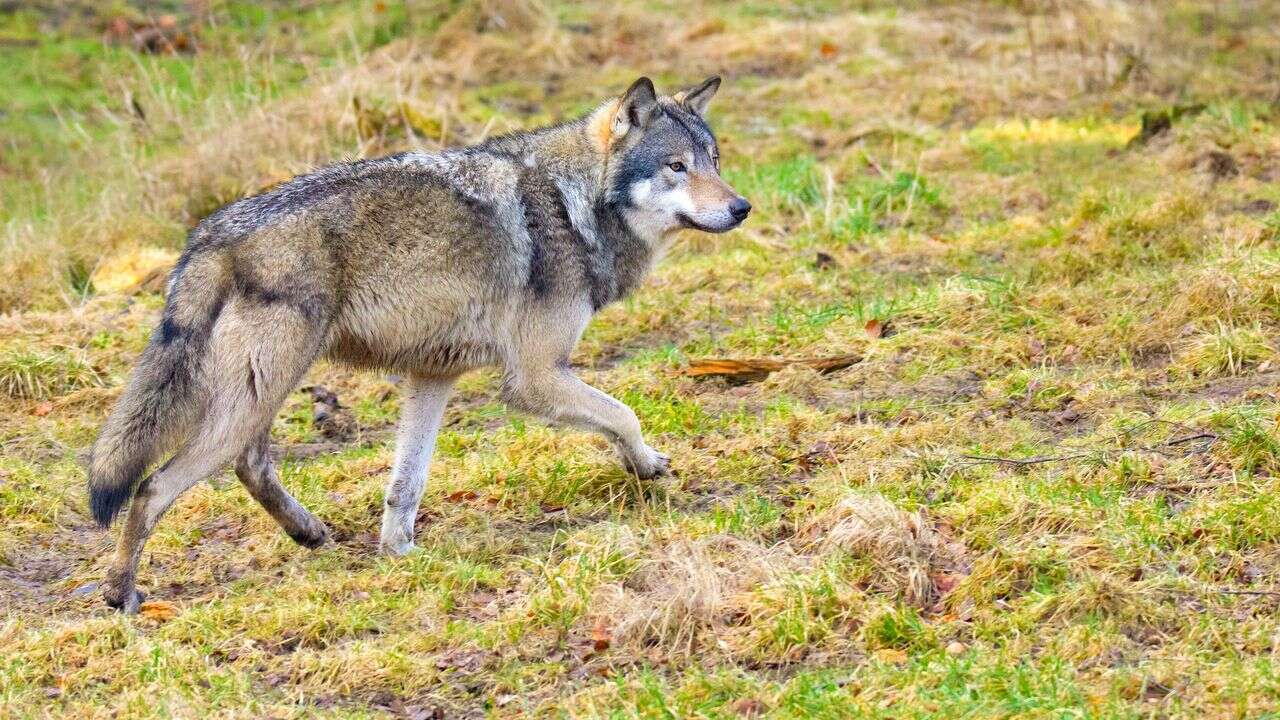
[{"x": 1049, "y": 233}]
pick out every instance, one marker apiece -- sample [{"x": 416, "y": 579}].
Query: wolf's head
[{"x": 663, "y": 162}]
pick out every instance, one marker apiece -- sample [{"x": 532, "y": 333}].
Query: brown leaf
[
  {"x": 601, "y": 636},
  {"x": 874, "y": 328},
  {"x": 158, "y": 610},
  {"x": 946, "y": 582},
  {"x": 461, "y": 496},
  {"x": 42, "y": 409},
  {"x": 828, "y": 50},
  {"x": 466, "y": 659}
]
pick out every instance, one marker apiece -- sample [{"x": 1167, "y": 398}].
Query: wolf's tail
[{"x": 164, "y": 395}]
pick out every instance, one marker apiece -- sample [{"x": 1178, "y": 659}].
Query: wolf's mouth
[{"x": 692, "y": 224}]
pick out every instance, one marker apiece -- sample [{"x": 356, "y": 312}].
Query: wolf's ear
[
  {"x": 698, "y": 97},
  {"x": 636, "y": 107}
]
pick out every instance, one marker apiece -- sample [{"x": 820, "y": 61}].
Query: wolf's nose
[{"x": 740, "y": 208}]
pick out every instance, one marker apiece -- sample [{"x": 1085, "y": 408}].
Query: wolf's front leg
[
  {"x": 558, "y": 396},
  {"x": 424, "y": 404}
]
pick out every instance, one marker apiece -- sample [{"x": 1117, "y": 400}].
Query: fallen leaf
[
  {"x": 1067, "y": 416},
  {"x": 892, "y": 656},
  {"x": 42, "y": 409},
  {"x": 424, "y": 712},
  {"x": 158, "y": 610},
  {"x": 875, "y": 328},
  {"x": 461, "y": 496},
  {"x": 946, "y": 582},
  {"x": 466, "y": 659},
  {"x": 601, "y": 636},
  {"x": 828, "y": 49}
]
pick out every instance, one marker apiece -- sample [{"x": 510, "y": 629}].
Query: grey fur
[{"x": 428, "y": 265}]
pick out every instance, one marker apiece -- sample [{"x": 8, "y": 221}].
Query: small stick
[{"x": 1023, "y": 462}]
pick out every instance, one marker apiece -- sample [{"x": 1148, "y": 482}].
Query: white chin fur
[
  {"x": 657, "y": 213},
  {"x": 716, "y": 222}
]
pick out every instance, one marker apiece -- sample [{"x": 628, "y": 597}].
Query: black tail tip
[{"x": 106, "y": 503}]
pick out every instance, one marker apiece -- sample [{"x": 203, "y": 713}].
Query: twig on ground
[{"x": 1023, "y": 462}]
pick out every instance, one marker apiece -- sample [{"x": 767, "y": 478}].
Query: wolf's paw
[
  {"x": 396, "y": 538},
  {"x": 314, "y": 536},
  {"x": 396, "y": 549},
  {"x": 653, "y": 464},
  {"x": 126, "y": 601}
]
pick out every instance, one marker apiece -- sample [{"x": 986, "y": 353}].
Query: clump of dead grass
[
  {"x": 688, "y": 588},
  {"x": 498, "y": 38},
  {"x": 900, "y": 545},
  {"x": 687, "y": 591}
]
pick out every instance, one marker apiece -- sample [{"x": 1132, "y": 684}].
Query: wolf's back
[{"x": 164, "y": 395}]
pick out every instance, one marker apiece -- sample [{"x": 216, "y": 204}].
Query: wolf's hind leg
[
  {"x": 256, "y": 356},
  {"x": 424, "y": 405},
  {"x": 217, "y": 442},
  {"x": 559, "y": 396},
  {"x": 258, "y": 474}
]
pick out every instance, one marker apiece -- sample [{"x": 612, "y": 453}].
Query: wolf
[{"x": 423, "y": 264}]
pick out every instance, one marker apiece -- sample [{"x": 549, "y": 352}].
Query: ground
[{"x": 1041, "y": 481}]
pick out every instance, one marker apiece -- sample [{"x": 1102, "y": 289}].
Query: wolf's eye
[{"x": 676, "y": 166}]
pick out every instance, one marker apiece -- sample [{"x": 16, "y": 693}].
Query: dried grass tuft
[
  {"x": 900, "y": 545},
  {"x": 687, "y": 589}
]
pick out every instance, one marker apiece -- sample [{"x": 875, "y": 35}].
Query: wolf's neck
[
  {"x": 569, "y": 159},
  {"x": 620, "y": 256}
]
